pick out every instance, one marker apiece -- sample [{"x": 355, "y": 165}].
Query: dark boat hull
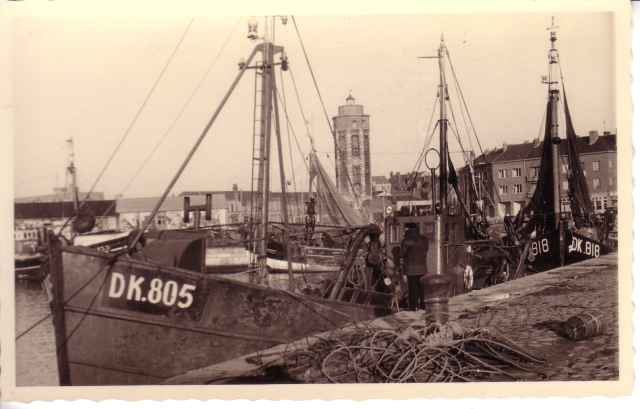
[
  {"x": 553, "y": 250},
  {"x": 29, "y": 268},
  {"x": 110, "y": 333}
]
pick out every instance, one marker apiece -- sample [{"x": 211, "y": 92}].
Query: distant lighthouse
[{"x": 352, "y": 153}]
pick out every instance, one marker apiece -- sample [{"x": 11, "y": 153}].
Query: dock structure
[{"x": 525, "y": 310}]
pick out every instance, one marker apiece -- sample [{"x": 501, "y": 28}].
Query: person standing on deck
[{"x": 413, "y": 263}]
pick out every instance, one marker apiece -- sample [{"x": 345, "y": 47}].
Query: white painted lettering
[
  {"x": 134, "y": 292},
  {"x": 117, "y": 285}
]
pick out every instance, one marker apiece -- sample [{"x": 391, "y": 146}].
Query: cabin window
[
  {"x": 355, "y": 145},
  {"x": 517, "y": 188},
  {"x": 565, "y": 185},
  {"x": 516, "y": 172},
  {"x": 596, "y": 183},
  {"x": 502, "y": 173},
  {"x": 595, "y": 165}
]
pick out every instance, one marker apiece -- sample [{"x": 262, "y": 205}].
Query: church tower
[{"x": 352, "y": 153}]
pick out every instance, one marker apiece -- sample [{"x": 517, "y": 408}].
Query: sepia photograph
[{"x": 317, "y": 199}]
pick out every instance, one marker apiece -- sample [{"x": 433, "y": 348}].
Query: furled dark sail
[
  {"x": 454, "y": 182},
  {"x": 581, "y": 206},
  {"x": 337, "y": 208},
  {"x": 538, "y": 213}
]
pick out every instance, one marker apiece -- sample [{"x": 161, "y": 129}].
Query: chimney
[{"x": 593, "y": 137}]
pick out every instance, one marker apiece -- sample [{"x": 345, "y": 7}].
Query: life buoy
[{"x": 468, "y": 278}]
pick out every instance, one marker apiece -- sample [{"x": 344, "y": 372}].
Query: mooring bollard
[{"x": 436, "y": 297}]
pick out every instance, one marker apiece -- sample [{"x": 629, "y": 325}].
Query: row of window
[
  {"x": 515, "y": 188},
  {"x": 595, "y": 182},
  {"x": 535, "y": 170},
  {"x": 355, "y": 142}
]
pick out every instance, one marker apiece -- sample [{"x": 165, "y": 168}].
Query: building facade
[
  {"x": 380, "y": 184},
  {"x": 352, "y": 149},
  {"x": 29, "y": 217},
  {"x": 509, "y": 174}
]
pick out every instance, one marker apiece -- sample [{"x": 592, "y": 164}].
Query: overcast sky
[{"x": 87, "y": 77}]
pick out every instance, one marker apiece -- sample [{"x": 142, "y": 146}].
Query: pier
[{"x": 526, "y": 310}]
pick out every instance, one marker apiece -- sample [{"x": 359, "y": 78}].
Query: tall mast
[
  {"x": 554, "y": 97},
  {"x": 444, "y": 161},
  {"x": 71, "y": 170},
  {"x": 267, "y": 100},
  {"x": 265, "y": 149}
]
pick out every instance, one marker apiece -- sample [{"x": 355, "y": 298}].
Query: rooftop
[
  {"x": 533, "y": 149},
  {"x": 57, "y": 210}
]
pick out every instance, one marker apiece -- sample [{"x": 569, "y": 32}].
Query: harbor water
[{"x": 35, "y": 351}]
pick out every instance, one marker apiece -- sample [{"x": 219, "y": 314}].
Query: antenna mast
[
  {"x": 554, "y": 97},
  {"x": 444, "y": 163},
  {"x": 71, "y": 170}
]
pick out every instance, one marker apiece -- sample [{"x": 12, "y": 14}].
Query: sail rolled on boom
[{"x": 339, "y": 210}]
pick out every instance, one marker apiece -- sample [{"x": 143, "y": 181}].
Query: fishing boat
[
  {"x": 151, "y": 311},
  {"x": 80, "y": 228},
  {"x": 445, "y": 208},
  {"x": 555, "y": 237},
  {"x": 28, "y": 257}
]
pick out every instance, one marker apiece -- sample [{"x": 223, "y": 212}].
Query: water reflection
[{"x": 35, "y": 351}]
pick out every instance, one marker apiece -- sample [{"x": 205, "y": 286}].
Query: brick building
[{"x": 509, "y": 174}]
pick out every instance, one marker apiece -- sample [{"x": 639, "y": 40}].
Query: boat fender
[
  {"x": 84, "y": 222},
  {"x": 468, "y": 277}
]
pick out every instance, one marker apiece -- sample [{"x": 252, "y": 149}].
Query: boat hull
[
  {"x": 110, "y": 333},
  {"x": 549, "y": 251},
  {"x": 29, "y": 267}
]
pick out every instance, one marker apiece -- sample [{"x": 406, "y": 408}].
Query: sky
[{"x": 86, "y": 77}]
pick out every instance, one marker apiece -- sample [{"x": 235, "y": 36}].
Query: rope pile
[{"x": 431, "y": 353}]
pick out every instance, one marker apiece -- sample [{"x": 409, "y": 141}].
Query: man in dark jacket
[{"x": 413, "y": 263}]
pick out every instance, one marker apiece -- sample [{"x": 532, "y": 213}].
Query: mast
[
  {"x": 444, "y": 163},
  {"x": 268, "y": 97},
  {"x": 71, "y": 170},
  {"x": 554, "y": 97},
  {"x": 265, "y": 151}
]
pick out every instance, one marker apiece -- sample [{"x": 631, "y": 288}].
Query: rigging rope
[
  {"x": 464, "y": 102},
  {"x": 195, "y": 90},
  {"x": 131, "y": 124},
  {"x": 315, "y": 82},
  {"x": 285, "y": 110},
  {"x": 304, "y": 118},
  {"x": 295, "y": 137}
]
